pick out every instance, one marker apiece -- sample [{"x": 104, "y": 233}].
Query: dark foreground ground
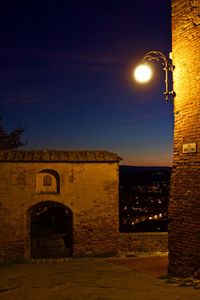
[{"x": 92, "y": 279}]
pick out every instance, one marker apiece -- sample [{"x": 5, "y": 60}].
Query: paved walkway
[
  {"x": 153, "y": 265},
  {"x": 92, "y": 279}
]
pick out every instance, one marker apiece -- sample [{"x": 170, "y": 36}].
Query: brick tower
[{"x": 184, "y": 204}]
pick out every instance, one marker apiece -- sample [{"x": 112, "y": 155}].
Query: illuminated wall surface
[
  {"x": 184, "y": 206},
  {"x": 58, "y": 203}
]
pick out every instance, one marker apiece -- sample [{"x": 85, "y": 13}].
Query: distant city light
[
  {"x": 142, "y": 73},
  {"x": 144, "y": 204}
]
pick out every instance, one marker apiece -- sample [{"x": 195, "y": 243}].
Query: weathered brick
[{"x": 184, "y": 208}]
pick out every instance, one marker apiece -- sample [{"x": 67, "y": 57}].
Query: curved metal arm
[{"x": 167, "y": 67}]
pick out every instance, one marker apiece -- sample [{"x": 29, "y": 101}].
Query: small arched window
[{"x": 47, "y": 181}]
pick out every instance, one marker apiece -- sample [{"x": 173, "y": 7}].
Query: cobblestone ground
[{"x": 92, "y": 279}]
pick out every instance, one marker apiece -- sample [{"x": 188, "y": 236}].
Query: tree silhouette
[{"x": 11, "y": 140}]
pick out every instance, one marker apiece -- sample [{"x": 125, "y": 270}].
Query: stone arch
[
  {"x": 51, "y": 230},
  {"x": 48, "y": 182}
]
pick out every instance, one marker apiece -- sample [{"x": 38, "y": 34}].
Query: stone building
[
  {"x": 58, "y": 204},
  {"x": 184, "y": 204}
]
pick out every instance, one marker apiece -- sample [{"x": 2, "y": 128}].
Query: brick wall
[{"x": 184, "y": 204}]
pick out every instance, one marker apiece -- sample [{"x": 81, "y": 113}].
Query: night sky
[{"x": 66, "y": 73}]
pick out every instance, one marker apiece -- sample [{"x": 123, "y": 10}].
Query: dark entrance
[{"x": 50, "y": 230}]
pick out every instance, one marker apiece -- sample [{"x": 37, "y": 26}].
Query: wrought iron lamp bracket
[{"x": 167, "y": 67}]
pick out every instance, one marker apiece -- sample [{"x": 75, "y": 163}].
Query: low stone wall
[{"x": 142, "y": 243}]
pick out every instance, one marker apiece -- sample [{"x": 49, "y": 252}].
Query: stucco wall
[
  {"x": 184, "y": 208},
  {"x": 89, "y": 189}
]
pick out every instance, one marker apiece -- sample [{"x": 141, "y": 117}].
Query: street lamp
[{"x": 143, "y": 73}]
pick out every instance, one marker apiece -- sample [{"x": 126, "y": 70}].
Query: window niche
[{"x": 47, "y": 182}]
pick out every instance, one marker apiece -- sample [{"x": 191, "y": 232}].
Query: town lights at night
[{"x": 143, "y": 72}]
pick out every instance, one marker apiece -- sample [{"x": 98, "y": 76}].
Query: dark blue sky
[{"x": 66, "y": 73}]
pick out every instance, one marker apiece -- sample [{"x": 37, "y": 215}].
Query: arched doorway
[{"x": 50, "y": 230}]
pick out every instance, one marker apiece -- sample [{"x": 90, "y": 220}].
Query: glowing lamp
[{"x": 143, "y": 73}]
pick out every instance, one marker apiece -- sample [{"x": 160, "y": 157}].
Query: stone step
[{"x": 49, "y": 260}]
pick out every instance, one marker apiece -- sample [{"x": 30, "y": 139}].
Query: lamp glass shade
[{"x": 142, "y": 73}]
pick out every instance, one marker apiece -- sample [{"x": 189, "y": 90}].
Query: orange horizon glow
[{"x": 146, "y": 163}]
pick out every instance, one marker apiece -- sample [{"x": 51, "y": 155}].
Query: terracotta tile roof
[{"x": 57, "y": 156}]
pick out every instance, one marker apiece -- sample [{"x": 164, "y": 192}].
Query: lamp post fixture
[{"x": 143, "y": 72}]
